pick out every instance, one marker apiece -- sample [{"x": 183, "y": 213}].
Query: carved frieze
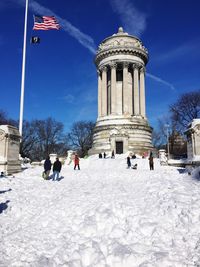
[{"x": 121, "y": 43}]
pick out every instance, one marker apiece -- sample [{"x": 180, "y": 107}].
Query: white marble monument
[
  {"x": 122, "y": 124},
  {"x": 193, "y": 141},
  {"x": 9, "y": 149},
  {"x": 163, "y": 157}
]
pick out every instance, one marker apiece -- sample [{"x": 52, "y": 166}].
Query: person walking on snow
[
  {"x": 128, "y": 162},
  {"x": 151, "y": 163},
  {"x": 47, "y": 168},
  {"x": 76, "y": 162},
  {"x": 113, "y": 154},
  {"x": 56, "y": 169}
]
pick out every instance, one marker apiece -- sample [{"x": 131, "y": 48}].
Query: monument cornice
[
  {"x": 121, "y": 51},
  {"x": 125, "y": 127}
]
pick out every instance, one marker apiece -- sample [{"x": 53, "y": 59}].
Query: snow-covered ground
[{"x": 101, "y": 216}]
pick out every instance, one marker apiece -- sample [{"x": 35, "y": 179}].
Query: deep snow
[{"x": 101, "y": 216}]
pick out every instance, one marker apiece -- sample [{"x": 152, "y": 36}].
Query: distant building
[{"x": 177, "y": 145}]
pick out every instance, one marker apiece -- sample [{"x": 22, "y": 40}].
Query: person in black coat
[
  {"x": 47, "y": 167},
  {"x": 113, "y": 154},
  {"x": 151, "y": 163},
  {"x": 56, "y": 169},
  {"x": 128, "y": 162}
]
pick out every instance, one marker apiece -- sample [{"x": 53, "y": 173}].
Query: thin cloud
[
  {"x": 133, "y": 20},
  {"x": 180, "y": 51},
  {"x": 81, "y": 37},
  {"x": 69, "y": 98},
  {"x": 157, "y": 79}
]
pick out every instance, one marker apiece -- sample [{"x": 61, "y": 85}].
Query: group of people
[
  {"x": 56, "y": 169},
  {"x": 57, "y": 165},
  {"x": 151, "y": 162},
  {"x": 104, "y": 155}
]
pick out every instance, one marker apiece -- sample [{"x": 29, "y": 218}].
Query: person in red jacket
[{"x": 76, "y": 162}]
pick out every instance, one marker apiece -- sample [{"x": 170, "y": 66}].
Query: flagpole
[{"x": 23, "y": 72}]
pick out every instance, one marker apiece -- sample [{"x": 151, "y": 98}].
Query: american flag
[{"x": 45, "y": 23}]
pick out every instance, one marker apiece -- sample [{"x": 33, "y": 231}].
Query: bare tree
[
  {"x": 43, "y": 137},
  {"x": 4, "y": 120},
  {"x": 185, "y": 110},
  {"x": 29, "y": 139},
  {"x": 81, "y": 136},
  {"x": 49, "y": 133}
]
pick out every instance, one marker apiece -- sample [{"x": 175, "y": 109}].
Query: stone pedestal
[
  {"x": 193, "y": 141},
  {"x": 9, "y": 149},
  {"x": 122, "y": 135},
  {"x": 163, "y": 157}
]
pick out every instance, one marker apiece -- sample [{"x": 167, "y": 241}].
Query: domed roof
[{"x": 121, "y": 43}]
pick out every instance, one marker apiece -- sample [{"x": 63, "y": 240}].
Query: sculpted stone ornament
[
  {"x": 2, "y": 135},
  {"x": 121, "y": 43},
  {"x": 197, "y": 130}
]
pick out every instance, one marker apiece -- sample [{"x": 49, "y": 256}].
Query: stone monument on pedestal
[
  {"x": 163, "y": 157},
  {"x": 9, "y": 149},
  {"x": 122, "y": 124},
  {"x": 193, "y": 141}
]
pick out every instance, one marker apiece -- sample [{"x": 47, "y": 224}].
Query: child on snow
[{"x": 76, "y": 162}]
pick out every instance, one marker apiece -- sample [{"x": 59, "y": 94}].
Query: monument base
[
  {"x": 9, "y": 149},
  {"x": 121, "y": 134},
  {"x": 10, "y": 167}
]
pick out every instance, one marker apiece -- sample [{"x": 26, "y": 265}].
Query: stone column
[
  {"x": 136, "y": 88},
  {"x": 99, "y": 94},
  {"x": 125, "y": 89},
  {"x": 104, "y": 91},
  {"x": 142, "y": 92},
  {"x": 113, "y": 67}
]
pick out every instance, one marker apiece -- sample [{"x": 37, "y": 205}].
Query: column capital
[
  {"x": 125, "y": 64},
  {"x": 113, "y": 65},
  {"x": 143, "y": 69},
  {"x": 136, "y": 66},
  {"x": 103, "y": 68}
]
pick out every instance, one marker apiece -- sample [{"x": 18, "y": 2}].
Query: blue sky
[{"x": 61, "y": 79}]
